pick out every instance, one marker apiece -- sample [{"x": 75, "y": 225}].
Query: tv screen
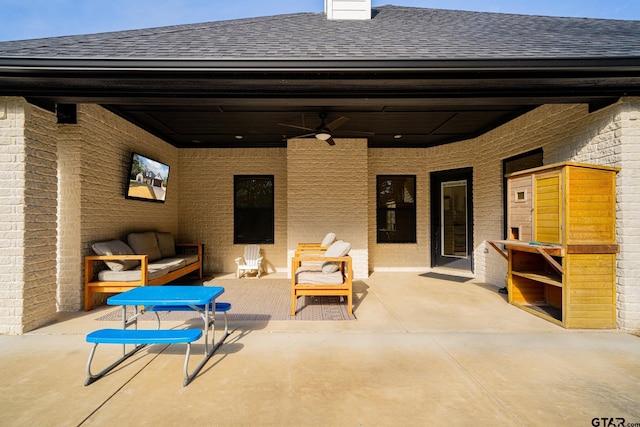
[{"x": 147, "y": 179}]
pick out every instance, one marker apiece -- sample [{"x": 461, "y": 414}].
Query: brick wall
[
  {"x": 420, "y": 162},
  {"x": 40, "y": 215},
  {"x": 106, "y": 156},
  {"x": 206, "y": 202},
  {"x": 107, "y": 142},
  {"x": 318, "y": 189}
]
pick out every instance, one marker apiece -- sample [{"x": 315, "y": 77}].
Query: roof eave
[{"x": 187, "y": 65}]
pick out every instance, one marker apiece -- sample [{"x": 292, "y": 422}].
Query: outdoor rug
[{"x": 256, "y": 300}]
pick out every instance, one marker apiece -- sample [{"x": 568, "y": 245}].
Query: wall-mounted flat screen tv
[{"x": 148, "y": 179}]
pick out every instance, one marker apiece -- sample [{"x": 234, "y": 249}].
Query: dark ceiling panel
[
  {"x": 221, "y": 126},
  {"x": 472, "y": 122}
]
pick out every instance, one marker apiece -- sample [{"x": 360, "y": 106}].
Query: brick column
[
  {"x": 327, "y": 188},
  {"x": 28, "y": 193},
  {"x": 628, "y": 216},
  {"x": 70, "y": 261}
]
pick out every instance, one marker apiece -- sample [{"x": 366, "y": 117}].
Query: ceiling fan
[{"x": 325, "y": 131}]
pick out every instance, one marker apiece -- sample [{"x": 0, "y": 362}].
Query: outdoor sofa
[{"x": 147, "y": 259}]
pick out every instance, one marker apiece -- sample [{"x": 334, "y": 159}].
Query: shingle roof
[{"x": 394, "y": 33}]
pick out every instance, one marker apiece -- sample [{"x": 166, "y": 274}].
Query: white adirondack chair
[{"x": 251, "y": 261}]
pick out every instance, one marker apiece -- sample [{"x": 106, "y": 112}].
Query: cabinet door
[
  {"x": 547, "y": 209},
  {"x": 590, "y": 208},
  {"x": 520, "y": 208}
]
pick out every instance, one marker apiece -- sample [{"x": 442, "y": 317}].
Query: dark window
[
  {"x": 396, "y": 208},
  {"x": 529, "y": 160},
  {"x": 253, "y": 209}
]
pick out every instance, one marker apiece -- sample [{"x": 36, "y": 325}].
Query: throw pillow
[
  {"x": 337, "y": 249},
  {"x": 166, "y": 244},
  {"x": 145, "y": 244},
  {"x": 328, "y": 240},
  {"x": 116, "y": 247}
]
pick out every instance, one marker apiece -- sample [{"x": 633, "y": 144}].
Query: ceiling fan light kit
[
  {"x": 323, "y": 136},
  {"x": 324, "y": 132}
]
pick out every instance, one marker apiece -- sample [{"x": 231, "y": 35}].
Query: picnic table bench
[{"x": 140, "y": 338}]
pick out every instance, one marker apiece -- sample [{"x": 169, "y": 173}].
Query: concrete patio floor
[{"x": 423, "y": 351}]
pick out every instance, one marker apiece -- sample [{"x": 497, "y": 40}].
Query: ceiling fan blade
[
  {"x": 306, "y": 135},
  {"x": 337, "y": 122},
  {"x": 330, "y": 141},
  {"x": 295, "y": 126},
  {"x": 355, "y": 132}
]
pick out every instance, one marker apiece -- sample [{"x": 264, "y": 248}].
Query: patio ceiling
[{"x": 212, "y": 104}]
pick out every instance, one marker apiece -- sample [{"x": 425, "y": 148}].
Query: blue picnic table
[{"x": 201, "y": 299}]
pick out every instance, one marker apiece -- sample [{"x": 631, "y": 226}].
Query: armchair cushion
[
  {"x": 314, "y": 277},
  {"x": 116, "y": 247},
  {"x": 145, "y": 244},
  {"x": 337, "y": 249}
]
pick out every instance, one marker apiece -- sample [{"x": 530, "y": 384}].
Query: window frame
[
  {"x": 408, "y": 212},
  {"x": 240, "y": 235}
]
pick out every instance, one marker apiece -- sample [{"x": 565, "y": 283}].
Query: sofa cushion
[
  {"x": 166, "y": 244},
  {"x": 171, "y": 263},
  {"x": 130, "y": 275},
  {"x": 337, "y": 249},
  {"x": 189, "y": 259},
  {"x": 145, "y": 244},
  {"x": 116, "y": 247}
]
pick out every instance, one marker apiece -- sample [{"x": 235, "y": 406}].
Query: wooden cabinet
[{"x": 562, "y": 244}]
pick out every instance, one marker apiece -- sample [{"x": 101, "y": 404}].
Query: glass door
[
  {"x": 453, "y": 224},
  {"x": 451, "y": 219}
]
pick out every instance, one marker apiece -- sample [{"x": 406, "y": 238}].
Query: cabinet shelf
[
  {"x": 553, "y": 250},
  {"x": 545, "y": 311},
  {"x": 540, "y": 276}
]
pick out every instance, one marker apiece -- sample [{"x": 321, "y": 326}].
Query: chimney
[{"x": 347, "y": 9}]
